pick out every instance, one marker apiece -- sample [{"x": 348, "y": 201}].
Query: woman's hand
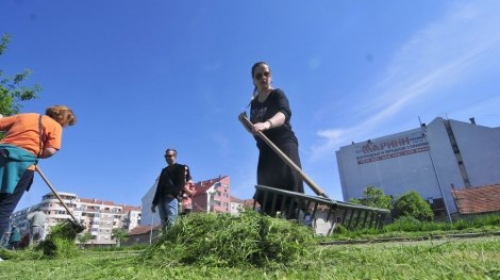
[
  {"x": 48, "y": 152},
  {"x": 261, "y": 126}
]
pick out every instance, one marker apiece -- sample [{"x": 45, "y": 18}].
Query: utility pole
[
  {"x": 424, "y": 134},
  {"x": 151, "y": 230}
]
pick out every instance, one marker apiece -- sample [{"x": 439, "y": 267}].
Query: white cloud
[
  {"x": 314, "y": 63},
  {"x": 443, "y": 55}
]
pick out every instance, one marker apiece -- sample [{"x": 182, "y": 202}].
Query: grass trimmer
[{"x": 70, "y": 227}]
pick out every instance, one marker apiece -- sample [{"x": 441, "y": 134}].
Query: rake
[
  {"x": 317, "y": 190},
  {"x": 73, "y": 224}
]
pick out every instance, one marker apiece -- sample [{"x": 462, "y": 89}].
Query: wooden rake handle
[
  {"x": 248, "y": 125},
  {"x": 55, "y": 193}
]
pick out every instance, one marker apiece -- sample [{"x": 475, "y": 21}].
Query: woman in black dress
[{"x": 270, "y": 113}]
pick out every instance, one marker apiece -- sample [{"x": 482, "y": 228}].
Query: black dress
[{"x": 272, "y": 171}]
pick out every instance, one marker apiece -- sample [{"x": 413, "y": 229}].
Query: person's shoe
[{"x": 1, "y": 260}]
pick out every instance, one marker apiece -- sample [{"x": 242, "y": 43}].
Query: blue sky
[{"x": 146, "y": 75}]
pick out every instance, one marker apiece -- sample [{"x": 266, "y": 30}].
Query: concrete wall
[
  {"x": 148, "y": 217},
  {"x": 480, "y": 150}
]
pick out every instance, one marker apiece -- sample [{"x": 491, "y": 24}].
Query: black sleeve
[{"x": 283, "y": 104}]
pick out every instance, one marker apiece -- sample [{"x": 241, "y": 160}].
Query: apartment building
[
  {"x": 237, "y": 205},
  {"x": 99, "y": 217}
]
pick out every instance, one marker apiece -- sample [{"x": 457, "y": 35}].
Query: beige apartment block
[{"x": 99, "y": 217}]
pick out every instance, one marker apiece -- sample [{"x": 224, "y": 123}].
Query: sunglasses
[
  {"x": 169, "y": 156},
  {"x": 259, "y": 76}
]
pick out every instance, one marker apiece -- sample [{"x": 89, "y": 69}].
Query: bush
[
  {"x": 405, "y": 223},
  {"x": 413, "y": 205},
  {"x": 486, "y": 220},
  {"x": 340, "y": 229},
  {"x": 462, "y": 224}
]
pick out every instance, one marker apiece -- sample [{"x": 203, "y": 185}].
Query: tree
[
  {"x": 120, "y": 235},
  {"x": 374, "y": 197},
  {"x": 12, "y": 89},
  {"x": 411, "y": 204}
]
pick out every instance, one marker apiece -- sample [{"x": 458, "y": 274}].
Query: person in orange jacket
[{"x": 28, "y": 137}]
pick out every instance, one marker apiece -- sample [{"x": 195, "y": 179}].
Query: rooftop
[{"x": 477, "y": 200}]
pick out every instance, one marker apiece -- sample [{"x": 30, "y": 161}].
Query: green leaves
[
  {"x": 413, "y": 205},
  {"x": 374, "y": 197},
  {"x": 12, "y": 89},
  {"x": 4, "y": 42}
]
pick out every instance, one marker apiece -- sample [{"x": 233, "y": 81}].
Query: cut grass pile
[
  {"x": 223, "y": 240},
  {"x": 471, "y": 259},
  {"x": 60, "y": 243},
  {"x": 252, "y": 246}
]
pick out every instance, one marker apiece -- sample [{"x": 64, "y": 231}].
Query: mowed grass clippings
[
  {"x": 458, "y": 260},
  {"x": 60, "y": 242},
  {"x": 223, "y": 240},
  {"x": 471, "y": 259}
]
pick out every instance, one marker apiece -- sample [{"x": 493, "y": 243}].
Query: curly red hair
[{"x": 61, "y": 114}]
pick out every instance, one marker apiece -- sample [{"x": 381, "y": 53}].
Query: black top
[
  {"x": 262, "y": 111},
  {"x": 171, "y": 182}
]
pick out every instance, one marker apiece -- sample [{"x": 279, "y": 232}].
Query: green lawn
[{"x": 474, "y": 258}]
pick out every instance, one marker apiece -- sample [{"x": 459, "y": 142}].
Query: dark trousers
[{"x": 8, "y": 202}]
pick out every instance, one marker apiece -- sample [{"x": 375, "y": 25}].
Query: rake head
[{"x": 71, "y": 226}]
